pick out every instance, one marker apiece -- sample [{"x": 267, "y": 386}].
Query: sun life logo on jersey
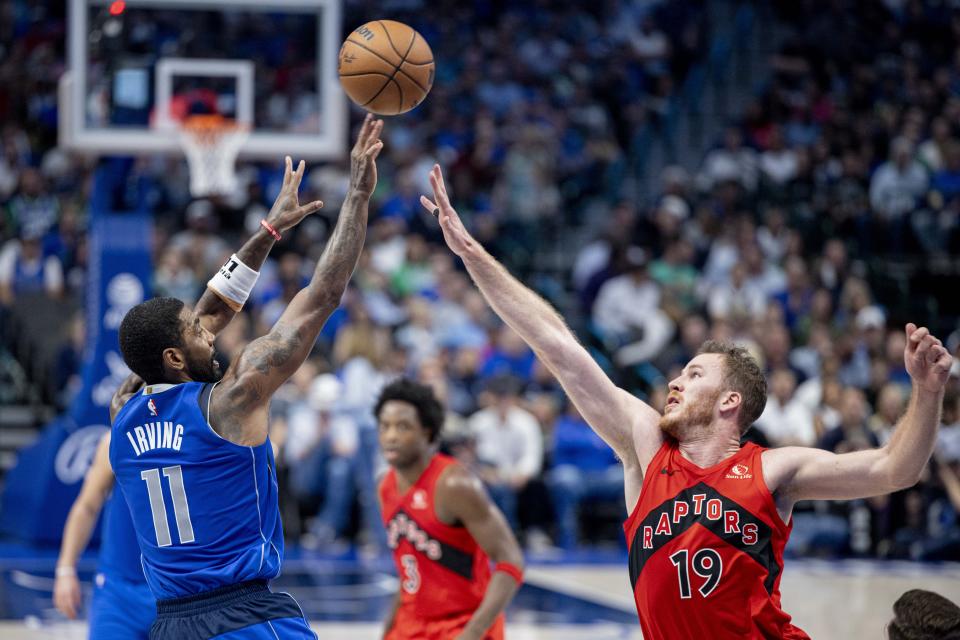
[
  {"x": 152, "y": 407},
  {"x": 419, "y": 500},
  {"x": 740, "y": 472}
]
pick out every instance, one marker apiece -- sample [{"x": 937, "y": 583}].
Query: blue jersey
[
  {"x": 205, "y": 509},
  {"x": 119, "y": 551}
]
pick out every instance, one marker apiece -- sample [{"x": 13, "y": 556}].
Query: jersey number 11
[{"x": 181, "y": 510}]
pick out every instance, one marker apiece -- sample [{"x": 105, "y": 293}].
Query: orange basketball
[{"x": 386, "y": 67}]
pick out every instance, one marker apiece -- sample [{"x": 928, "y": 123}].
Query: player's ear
[
  {"x": 174, "y": 359},
  {"x": 730, "y": 401}
]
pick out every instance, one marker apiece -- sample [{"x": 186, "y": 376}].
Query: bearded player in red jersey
[
  {"x": 708, "y": 518},
  {"x": 442, "y": 527}
]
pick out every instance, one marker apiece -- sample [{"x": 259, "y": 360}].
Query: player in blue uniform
[
  {"x": 191, "y": 452},
  {"x": 123, "y": 608}
]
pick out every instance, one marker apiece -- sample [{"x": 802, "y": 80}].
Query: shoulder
[{"x": 458, "y": 487}]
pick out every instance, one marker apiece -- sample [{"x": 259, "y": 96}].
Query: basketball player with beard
[
  {"x": 709, "y": 518},
  {"x": 442, "y": 527},
  {"x": 122, "y": 606},
  {"x": 191, "y": 452}
]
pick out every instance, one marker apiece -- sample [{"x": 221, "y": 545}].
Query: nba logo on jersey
[
  {"x": 152, "y": 407},
  {"x": 419, "y": 500},
  {"x": 739, "y": 471}
]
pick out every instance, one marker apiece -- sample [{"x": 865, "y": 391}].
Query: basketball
[{"x": 386, "y": 67}]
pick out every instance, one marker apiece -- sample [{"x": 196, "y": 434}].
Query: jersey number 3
[
  {"x": 706, "y": 564},
  {"x": 181, "y": 510},
  {"x": 411, "y": 577}
]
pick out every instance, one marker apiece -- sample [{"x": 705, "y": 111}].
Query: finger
[
  {"x": 310, "y": 207},
  {"x": 430, "y": 206},
  {"x": 910, "y": 328},
  {"x": 923, "y": 347},
  {"x": 438, "y": 191},
  {"x": 439, "y": 173},
  {"x": 944, "y": 363},
  {"x": 364, "y": 134},
  {"x": 298, "y": 175},
  {"x": 287, "y": 170},
  {"x": 374, "y": 150}
]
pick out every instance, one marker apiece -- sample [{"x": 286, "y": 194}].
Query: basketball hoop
[{"x": 211, "y": 144}]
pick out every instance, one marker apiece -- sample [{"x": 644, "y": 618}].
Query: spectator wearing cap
[
  {"x": 199, "y": 241},
  {"x": 509, "y": 445},
  {"x": 584, "y": 469},
  {"x": 627, "y": 312},
  {"x": 24, "y": 269},
  {"x": 320, "y": 451},
  {"x": 33, "y": 210},
  {"x": 869, "y": 323},
  {"x": 897, "y": 183}
]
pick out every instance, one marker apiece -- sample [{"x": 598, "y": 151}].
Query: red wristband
[
  {"x": 511, "y": 570},
  {"x": 266, "y": 225}
]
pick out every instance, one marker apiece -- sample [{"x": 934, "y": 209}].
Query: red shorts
[{"x": 408, "y": 626}]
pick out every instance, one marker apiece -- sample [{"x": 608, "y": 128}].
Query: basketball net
[{"x": 211, "y": 144}]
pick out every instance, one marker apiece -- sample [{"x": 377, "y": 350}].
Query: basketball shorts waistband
[{"x": 212, "y": 600}]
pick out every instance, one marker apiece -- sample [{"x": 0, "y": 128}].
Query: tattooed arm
[
  {"x": 238, "y": 404},
  {"x": 215, "y": 311}
]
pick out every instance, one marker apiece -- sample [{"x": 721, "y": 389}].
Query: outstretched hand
[
  {"x": 286, "y": 212},
  {"x": 454, "y": 233},
  {"x": 363, "y": 158},
  {"x": 927, "y": 361}
]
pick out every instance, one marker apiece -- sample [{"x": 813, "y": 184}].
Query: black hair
[
  {"x": 429, "y": 409},
  {"x": 924, "y": 615},
  {"x": 146, "y": 331}
]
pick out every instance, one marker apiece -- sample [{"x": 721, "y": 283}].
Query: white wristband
[
  {"x": 65, "y": 570},
  {"x": 234, "y": 282}
]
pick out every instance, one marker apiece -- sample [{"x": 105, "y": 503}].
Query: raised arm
[
  {"x": 797, "y": 473},
  {"x": 80, "y": 523},
  {"x": 217, "y": 308},
  {"x": 461, "y": 498},
  {"x": 627, "y": 424},
  {"x": 239, "y": 402}
]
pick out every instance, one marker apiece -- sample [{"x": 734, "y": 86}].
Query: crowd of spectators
[{"x": 851, "y": 152}]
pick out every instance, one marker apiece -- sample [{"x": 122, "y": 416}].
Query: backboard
[{"x": 138, "y": 67}]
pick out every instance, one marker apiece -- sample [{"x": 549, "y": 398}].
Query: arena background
[{"x": 783, "y": 173}]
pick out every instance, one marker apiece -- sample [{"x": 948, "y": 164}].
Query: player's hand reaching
[
  {"x": 927, "y": 361},
  {"x": 287, "y": 212},
  {"x": 363, "y": 158},
  {"x": 66, "y": 594},
  {"x": 454, "y": 233}
]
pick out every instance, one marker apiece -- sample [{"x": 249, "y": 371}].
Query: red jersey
[
  {"x": 443, "y": 572},
  {"x": 706, "y": 550}
]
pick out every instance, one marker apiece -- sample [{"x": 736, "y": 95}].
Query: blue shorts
[
  {"x": 121, "y": 609},
  {"x": 245, "y": 611}
]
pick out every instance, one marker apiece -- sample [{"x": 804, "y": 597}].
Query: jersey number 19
[{"x": 181, "y": 510}]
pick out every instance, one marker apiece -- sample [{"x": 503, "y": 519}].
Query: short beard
[
  {"x": 680, "y": 424},
  {"x": 206, "y": 371}
]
